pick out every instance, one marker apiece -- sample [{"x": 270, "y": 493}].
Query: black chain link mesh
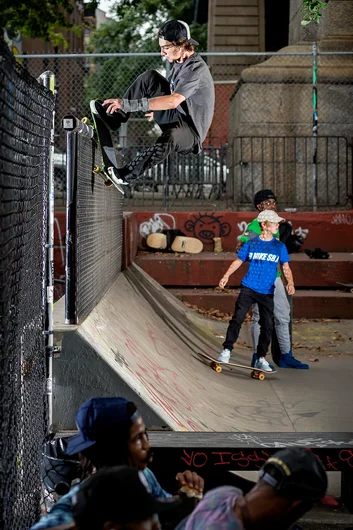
[
  {"x": 26, "y": 118},
  {"x": 99, "y": 230}
]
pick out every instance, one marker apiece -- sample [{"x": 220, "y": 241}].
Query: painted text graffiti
[{"x": 253, "y": 459}]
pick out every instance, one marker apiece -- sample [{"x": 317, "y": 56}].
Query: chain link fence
[
  {"x": 257, "y": 95},
  {"x": 94, "y": 229},
  {"x": 26, "y": 111}
]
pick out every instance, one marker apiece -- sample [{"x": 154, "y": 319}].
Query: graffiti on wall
[
  {"x": 342, "y": 219},
  {"x": 157, "y": 223},
  {"x": 206, "y": 226}
]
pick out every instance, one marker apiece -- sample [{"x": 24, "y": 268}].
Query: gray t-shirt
[{"x": 192, "y": 79}]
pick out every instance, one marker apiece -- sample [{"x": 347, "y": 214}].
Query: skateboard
[
  {"x": 348, "y": 286},
  {"x": 108, "y": 168},
  {"x": 275, "y": 349},
  {"x": 217, "y": 366}
]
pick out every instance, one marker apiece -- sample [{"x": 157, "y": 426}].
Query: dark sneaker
[
  {"x": 317, "y": 253},
  {"x": 113, "y": 121},
  {"x": 288, "y": 361}
]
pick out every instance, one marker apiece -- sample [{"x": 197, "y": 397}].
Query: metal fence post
[
  {"x": 48, "y": 80},
  {"x": 70, "y": 243},
  {"x": 315, "y": 124}
]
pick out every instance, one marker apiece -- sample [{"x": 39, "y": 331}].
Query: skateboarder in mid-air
[
  {"x": 266, "y": 200},
  {"x": 182, "y": 105},
  {"x": 264, "y": 253}
]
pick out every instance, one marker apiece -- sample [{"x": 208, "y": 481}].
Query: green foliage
[
  {"x": 312, "y": 11},
  {"x": 43, "y": 19},
  {"x": 154, "y": 13}
]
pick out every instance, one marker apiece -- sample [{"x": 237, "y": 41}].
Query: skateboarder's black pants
[
  {"x": 246, "y": 298},
  {"x": 178, "y": 134}
]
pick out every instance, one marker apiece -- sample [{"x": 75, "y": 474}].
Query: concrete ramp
[{"x": 150, "y": 342}]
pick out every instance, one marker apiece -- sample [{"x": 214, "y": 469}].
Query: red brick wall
[{"x": 220, "y": 124}]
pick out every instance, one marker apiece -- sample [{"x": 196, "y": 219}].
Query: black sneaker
[
  {"x": 113, "y": 121},
  {"x": 317, "y": 253}
]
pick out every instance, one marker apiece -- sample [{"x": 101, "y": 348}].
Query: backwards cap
[
  {"x": 295, "y": 473},
  {"x": 176, "y": 30}
]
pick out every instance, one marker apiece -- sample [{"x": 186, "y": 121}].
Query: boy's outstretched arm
[
  {"x": 289, "y": 277},
  {"x": 233, "y": 267}
]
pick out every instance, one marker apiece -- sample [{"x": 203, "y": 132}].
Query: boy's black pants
[
  {"x": 246, "y": 298},
  {"x": 177, "y": 130}
]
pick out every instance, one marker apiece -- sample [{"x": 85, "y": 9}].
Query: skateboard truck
[{"x": 97, "y": 170}]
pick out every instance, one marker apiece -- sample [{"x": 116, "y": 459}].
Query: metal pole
[
  {"x": 71, "y": 188},
  {"x": 315, "y": 124},
  {"x": 48, "y": 80}
]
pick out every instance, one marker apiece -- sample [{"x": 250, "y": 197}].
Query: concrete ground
[{"x": 327, "y": 346}]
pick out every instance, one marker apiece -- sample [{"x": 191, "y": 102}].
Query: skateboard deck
[
  {"x": 217, "y": 366},
  {"x": 348, "y": 286},
  {"x": 109, "y": 164},
  {"x": 190, "y": 245},
  {"x": 275, "y": 349}
]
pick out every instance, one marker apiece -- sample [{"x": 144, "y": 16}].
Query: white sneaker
[
  {"x": 117, "y": 181},
  {"x": 262, "y": 364},
  {"x": 224, "y": 356}
]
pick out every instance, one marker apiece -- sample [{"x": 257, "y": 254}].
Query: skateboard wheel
[
  {"x": 96, "y": 169},
  {"x": 108, "y": 183},
  {"x": 261, "y": 377},
  {"x": 85, "y": 120},
  {"x": 216, "y": 367}
]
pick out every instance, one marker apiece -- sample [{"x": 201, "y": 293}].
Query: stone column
[{"x": 274, "y": 99}]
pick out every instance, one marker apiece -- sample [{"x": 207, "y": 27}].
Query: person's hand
[
  {"x": 150, "y": 116},
  {"x": 223, "y": 282},
  {"x": 112, "y": 105},
  {"x": 191, "y": 479},
  {"x": 290, "y": 288}
]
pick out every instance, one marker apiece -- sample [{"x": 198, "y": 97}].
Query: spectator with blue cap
[{"x": 111, "y": 432}]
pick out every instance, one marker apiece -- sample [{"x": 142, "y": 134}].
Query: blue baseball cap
[{"x": 98, "y": 419}]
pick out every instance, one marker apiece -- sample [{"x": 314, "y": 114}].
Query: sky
[{"x": 105, "y": 5}]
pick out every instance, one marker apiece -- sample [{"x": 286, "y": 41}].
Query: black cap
[
  {"x": 176, "y": 30},
  {"x": 263, "y": 195},
  {"x": 116, "y": 494},
  {"x": 295, "y": 473}
]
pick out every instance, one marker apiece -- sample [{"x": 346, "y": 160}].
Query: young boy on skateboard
[
  {"x": 266, "y": 200},
  {"x": 264, "y": 254}
]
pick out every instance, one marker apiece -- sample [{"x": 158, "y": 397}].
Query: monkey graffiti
[{"x": 207, "y": 226}]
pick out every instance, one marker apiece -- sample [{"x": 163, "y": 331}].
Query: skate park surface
[{"x": 151, "y": 340}]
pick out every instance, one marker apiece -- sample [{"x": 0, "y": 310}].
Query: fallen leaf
[{"x": 314, "y": 360}]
